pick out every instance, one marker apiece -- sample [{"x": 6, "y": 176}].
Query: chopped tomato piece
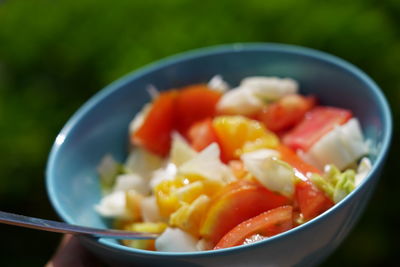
[
  {"x": 266, "y": 224},
  {"x": 195, "y": 103},
  {"x": 315, "y": 124},
  {"x": 286, "y": 112},
  {"x": 295, "y": 161},
  {"x": 174, "y": 110},
  {"x": 201, "y": 134},
  {"x": 236, "y": 203},
  {"x": 155, "y": 132},
  {"x": 311, "y": 200}
]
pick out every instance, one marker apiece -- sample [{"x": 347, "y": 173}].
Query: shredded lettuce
[
  {"x": 334, "y": 183},
  {"x": 345, "y": 184},
  {"x": 323, "y": 184}
]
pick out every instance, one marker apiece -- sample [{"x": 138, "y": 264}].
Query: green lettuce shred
[
  {"x": 335, "y": 184},
  {"x": 323, "y": 184},
  {"x": 345, "y": 184}
]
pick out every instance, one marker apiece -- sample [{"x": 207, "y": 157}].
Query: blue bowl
[{"x": 101, "y": 126}]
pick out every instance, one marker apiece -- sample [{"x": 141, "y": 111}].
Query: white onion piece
[
  {"x": 274, "y": 174},
  {"x": 363, "y": 169},
  {"x": 113, "y": 205},
  {"x": 342, "y": 146},
  {"x": 270, "y": 88},
  {"x": 207, "y": 164},
  {"x": 239, "y": 101},
  {"x": 176, "y": 240},
  {"x": 150, "y": 210},
  {"x": 218, "y": 84},
  {"x": 181, "y": 151},
  {"x": 125, "y": 182}
]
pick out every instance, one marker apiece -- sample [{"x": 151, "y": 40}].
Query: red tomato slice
[
  {"x": 155, "y": 132},
  {"x": 286, "y": 112},
  {"x": 315, "y": 124},
  {"x": 236, "y": 203},
  {"x": 195, "y": 103},
  {"x": 295, "y": 161},
  {"x": 311, "y": 200},
  {"x": 201, "y": 134},
  {"x": 266, "y": 224}
]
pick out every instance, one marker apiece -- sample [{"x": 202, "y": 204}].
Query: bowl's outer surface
[{"x": 101, "y": 127}]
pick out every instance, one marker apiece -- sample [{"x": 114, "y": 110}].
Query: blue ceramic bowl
[{"x": 101, "y": 125}]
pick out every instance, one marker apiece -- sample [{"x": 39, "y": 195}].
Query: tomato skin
[
  {"x": 268, "y": 223},
  {"x": 311, "y": 200},
  {"x": 201, "y": 134},
  {"x": 289, "y": 156},
  {"x": 236, "y": 203},
  {"x": 286, "y": 112},
  {"x": 315, "y": 124},
  {"x": 174, "y": 110},
  {"x": 155, "y": 132},
  {"x": 195, "y": 103}
]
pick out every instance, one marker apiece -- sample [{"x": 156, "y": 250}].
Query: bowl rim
[{"x": 210, "y": 51}]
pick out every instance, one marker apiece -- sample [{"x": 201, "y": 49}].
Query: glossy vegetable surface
[
  {"x": 266, "y": 224},
  {"x": 316, "y": 123},
  {"x": 236, "y": 203}
]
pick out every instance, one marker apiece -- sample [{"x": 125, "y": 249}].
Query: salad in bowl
[
  {"x": 242, "y": 154},
  {"x": 213, "y": 167}
]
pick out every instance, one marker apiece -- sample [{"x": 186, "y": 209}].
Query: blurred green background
[{"x": 55, "y": 54}]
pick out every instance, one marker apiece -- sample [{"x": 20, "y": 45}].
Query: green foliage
[{"x": 55, "y": 54}]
